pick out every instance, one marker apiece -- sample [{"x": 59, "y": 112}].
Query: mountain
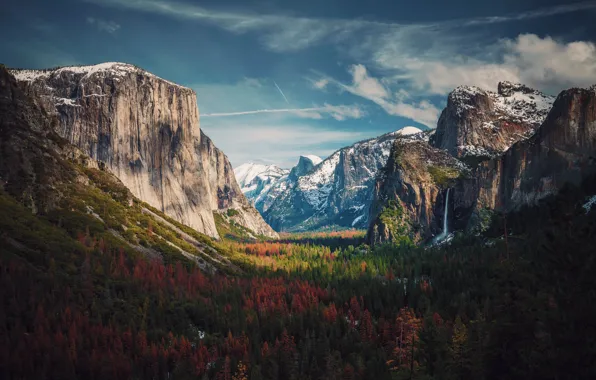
[
  {"x": 304, "y": 166},
  {"x": 145, "y": 130},
  {"x": 260, "y": 183},
  {"x": 563, "y": 151},
  {"x": 410, "y": 191},
  {"x": 530, "y": 151},
  {"x": 479, "y": 123},
  {"x": 334, "y": 192},
  {"x": 55, "y": 200}
]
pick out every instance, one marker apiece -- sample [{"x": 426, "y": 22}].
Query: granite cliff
[
  {"x": 478, "y": 123},
  {"x": 145, "y": 130},
  {"x": 494, "y": 151}
]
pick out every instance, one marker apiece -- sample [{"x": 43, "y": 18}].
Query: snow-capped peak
[
  {"x": 113, "y": 69},
  {"x": 246, "y": 173},
  {"x": 515, "y": 100},
  {"x": 314, "y": 159},
  {"x": 409, "y": 130}
]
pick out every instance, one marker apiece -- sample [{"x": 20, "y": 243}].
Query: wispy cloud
[
  {"x": 286, "y": 33},
  {"x": 281, "y": 92},
  {"x": 538, "y": 13},
  {"x": 371, "y": 88},
  {"x": 428, "y": 56},
  {"x": 341, "y": 112},
  {"x": 103, "y": 25}
]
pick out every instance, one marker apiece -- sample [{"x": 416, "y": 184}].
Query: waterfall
[{"x": 439, "y": 238}]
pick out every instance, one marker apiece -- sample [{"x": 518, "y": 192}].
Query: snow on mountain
[
  {"x": 114, "y": 70},
  {"x": 314, "y": 159},
  {"x": 337, "y": 191},
  {"x": 485, "y": 123},
  {"x": 246, "y": 173},
  {"x": 257, "y": 180},
  {"x": 408, "y": 131}
]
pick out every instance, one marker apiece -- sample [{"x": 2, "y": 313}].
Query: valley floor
[{"x": 76, "y": 302}]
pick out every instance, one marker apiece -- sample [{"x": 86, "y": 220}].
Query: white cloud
[
  {"x": 341, "y": 112},
  {"x": 371, "y": 88},
  {"x": 547, "y": 63},
  {"x": 103, "y": 25},
  {"x": 543, "y": 63},
  {"x": 320, "y": 84},
  {"x": 288, "y": 33},
  {"x": 252, "y": 82}
]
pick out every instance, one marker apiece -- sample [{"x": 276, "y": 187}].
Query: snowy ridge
[
  {"x": 406, "y": 131},
  {"x": 514, "y": 101},
  {"x": 319, "y": 184},
  {"x": 246, "y": 173},
  {"x": 314, "y": 159},
  {"x": 111, "y": 69}
]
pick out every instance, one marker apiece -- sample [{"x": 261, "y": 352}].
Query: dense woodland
[{"x": 521, "y": 304}]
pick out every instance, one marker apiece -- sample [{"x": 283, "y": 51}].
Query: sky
[{"x": 277, "y": 79}]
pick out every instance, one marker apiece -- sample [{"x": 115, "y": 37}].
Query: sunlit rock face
[{"x": 145, "y": 130}]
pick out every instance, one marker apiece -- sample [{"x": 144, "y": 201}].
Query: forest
[{"x": 515, "y": 302}]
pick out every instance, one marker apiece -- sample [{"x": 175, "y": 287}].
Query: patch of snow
[
  {"x": 409, "y": 131},
  {"x": 314, "y": 159},
  {"x": 66, "y": 102},
  {"x": 357, "y": 220},
  {"x": 472, "y": 150},
  {"x": 588, "y": 205},
  {"x": 113, "y": 69}
]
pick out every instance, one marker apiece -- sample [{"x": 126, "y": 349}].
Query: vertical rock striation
[
  {"x": 563, "y": 150},
  {"x": 145, "y": 130}
]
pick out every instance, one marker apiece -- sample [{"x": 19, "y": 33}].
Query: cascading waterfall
[{"x": 439, "y": 238}]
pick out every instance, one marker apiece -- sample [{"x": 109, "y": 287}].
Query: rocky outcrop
[
  {"x": 305, "y": 165},
  {"x": 145, "y": 130},
  {"x": 336, "y": 192},
  {"x": 563, "y": 150},
  {"x": 226, "y": 194},
  {"x": 483, "y": 124},
  {"x": 533, "y": 165},
  {"x": 410, "y": 192}
]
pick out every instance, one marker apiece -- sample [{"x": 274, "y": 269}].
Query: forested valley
[{"x": 515, "y": 302}]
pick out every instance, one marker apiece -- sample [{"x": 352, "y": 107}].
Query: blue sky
[{"x": 276, "y": 79}]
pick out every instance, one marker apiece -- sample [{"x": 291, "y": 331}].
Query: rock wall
[
  {"x": 481, "y": 123},
  {"x": 145, "y": 130},
  {"x": 409, "y": 195},
  {"x": 563, "y": 150}
]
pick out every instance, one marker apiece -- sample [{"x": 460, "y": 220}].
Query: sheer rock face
[
  {"x": 410, "y": 192},
  {"x": 478, "y": 123},
  {"x": 563, "y": 150},
  {"x": 146, "y": 131}
]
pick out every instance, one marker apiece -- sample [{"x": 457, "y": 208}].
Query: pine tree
[{"x": 459, "y": 360}]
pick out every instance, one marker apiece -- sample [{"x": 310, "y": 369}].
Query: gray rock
[{"x": 145, "y": 130}]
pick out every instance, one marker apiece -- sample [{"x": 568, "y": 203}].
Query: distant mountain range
[
  {"x": 491, "y": 151},
  {"x": 334, "y": 192}
]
